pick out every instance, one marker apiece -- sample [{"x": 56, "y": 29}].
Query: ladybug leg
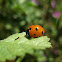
[{"x": 36, "y": 37}]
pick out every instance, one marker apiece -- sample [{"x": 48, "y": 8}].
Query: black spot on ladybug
[
  {"x": 29, "y": 28},
  {"x": 16, "y": 38},
  {"x": 34, "y": 34},
  {"x": 36, "y": 29},
  {"x": 42, "y": 32}
]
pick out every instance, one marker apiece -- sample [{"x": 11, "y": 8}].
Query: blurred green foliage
[{"x": 18, "y": 15}]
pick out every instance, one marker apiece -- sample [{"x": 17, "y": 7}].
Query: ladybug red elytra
[{"x": 35, "y": 31}]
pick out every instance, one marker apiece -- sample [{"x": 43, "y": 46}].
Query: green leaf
[{"x": 18, "y": 45}]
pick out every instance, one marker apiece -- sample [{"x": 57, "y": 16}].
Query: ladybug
[{"x": 35, "y": 31}]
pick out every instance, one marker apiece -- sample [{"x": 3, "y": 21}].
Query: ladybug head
[{"x": 27, "y": 32}]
